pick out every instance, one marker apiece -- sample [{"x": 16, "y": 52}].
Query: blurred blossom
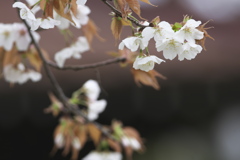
[{"x": 218, "y": 10}]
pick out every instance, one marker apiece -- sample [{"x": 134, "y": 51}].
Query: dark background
[{"x": 195, "y": 115}]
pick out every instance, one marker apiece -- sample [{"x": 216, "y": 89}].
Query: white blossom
[
  {"x": 7, "y": 36},
  {"x": 189, "y": 32},
  {"x": 146, "y": 63},
  {"x": 64, "y": 22},
  {"x": 74, "y": 51},
  {"x": 133, "y": 43},
  {"x": 131, "y": 142},
  {"x": 171, "y": 47},
  {"x": 81, "y": 2},
  {"x": 162, "y": 31},
  {"x": 96, "y": 107},
  {"x": 92, "y": 90},
  {"x": 82, "y": 16},
  {"x": 22, "y": 37},
  {"x": 19, "y": 74},
  {"x": 59, "y": 140},
  {"x": 76, "y": 143},
  {"x": 94, "y": 155},
  {"x": 190, "y": 50},
  {"x": 48, "y": 22},
  {"x": 25, "y": 12}
]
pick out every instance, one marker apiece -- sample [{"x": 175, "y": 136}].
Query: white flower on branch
[
  {"x": 7, "y": 36},
  {"x": 92, "y": 91},
  {"x": 146, "y": 63},
  {"x": 76, "y": 143},
  {"x": 94, "y": 155},
  {"x": 22, "y": 37},
  {"x": 96, "y": 107},
  {"x": 171, "y": 47},
  {"x": 81, "y": 2},
  {"x": 34, "y": 23},
  {"x": 16, "y": 32},
  {"x": 190, "y": 50},
  {"x": 59, "y": 140},
  {"x": 74, "y": 51},
  {"x": 80, "y": 19},
  {"x": 48, "y": 22},
  {"x": 131, "y": 142},
  {"x": 189, "y": 32},
  {"x": 19, "y": 74},
  {"x": 162, "y": 31},
  {"x": 133, "y": 43}
]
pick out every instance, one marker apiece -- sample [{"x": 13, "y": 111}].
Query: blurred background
[{"x": 194, "y": 116}]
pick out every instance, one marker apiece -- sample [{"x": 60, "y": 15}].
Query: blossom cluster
[
  {"x": 15, "y": 42},
  {"x": 78, "y": 17},
  {"x": 73, "y": 51},
  {"x": 16, "y": 33},
  {"x": 172, "y": 42}
]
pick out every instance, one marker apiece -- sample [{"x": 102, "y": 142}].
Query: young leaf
[
  {"x": 94, "y": 133},
  {"x": 147, "y": 78},
  {"x": 135, "y": 6},
  {"x": 116, "y": 27}
]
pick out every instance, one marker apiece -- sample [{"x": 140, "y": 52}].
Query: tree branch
[
  {"x": 119, "y": 14},
  {"x": 68, "y": 107},
  {"x": 88, "y": 66}
]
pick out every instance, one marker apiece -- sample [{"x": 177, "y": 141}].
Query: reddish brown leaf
[
  {"x": 147, "y": 78},
  {"x": 122, "y": 6},
  {"x": 60, "y": 7},
  {"x": 94, "y": 133},
  {"x": 11, "y": 57},
  {"x": 135, "y": 6},
  {"x": 116, "y": 27},
  {"x": 90, "y": 30}
]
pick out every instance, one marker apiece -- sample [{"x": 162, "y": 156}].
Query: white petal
[
  {"x": 81, "y": 2},
  {"x": 97, "y": 106},
  {"x": 92, "y": 89}
]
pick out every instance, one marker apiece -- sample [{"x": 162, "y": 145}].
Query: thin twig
[
  {"x": 119, "y": 14},
  {"x": 87, "y": 66},
  {"x": 70, "y": 107}
]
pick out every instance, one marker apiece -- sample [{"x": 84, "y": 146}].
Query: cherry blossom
[
  {"x": 94, "y": 155},
  {"x": 190, "y": 50},
  {"x": 162, "y": 31},
  {"x": 19, "y": 74},
  {"x": 25, "y": 12},
  {"x": 59, "y": 140},
  {"x": 76, "y": 143},
  {"x": 7, "y": 36},
  {"x": 133, "y": 43},
  {"x": 92, "y": 89},
  {"x": 146, "y": 63},
  {"x": 74, "y": 51},
  {"x": 189, "y": 32},
  {"x": 22, "y": 37},
  {"x": 131, "y": 142},
  {"x": 48, "y": 22},
  {"x": 81, "y": 2},
  {"x": 96, "y": 107},
  {"x": 171, "y": 47}
]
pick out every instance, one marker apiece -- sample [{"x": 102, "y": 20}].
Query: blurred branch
[
  {"x": 67, "y": 106},
  {"x": 88, "y": 66},
  {"x": 119, "y": 14}
]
